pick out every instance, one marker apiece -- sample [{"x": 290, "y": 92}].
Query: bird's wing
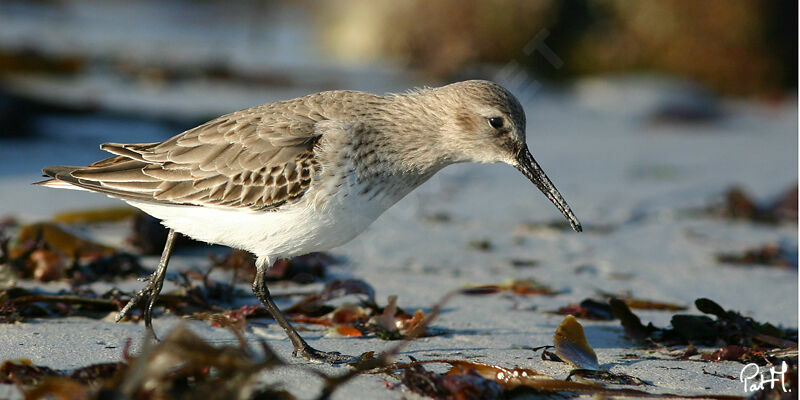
[{"x": 259, "y": 158}]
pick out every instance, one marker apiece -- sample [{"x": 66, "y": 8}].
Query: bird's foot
[
  {"x": 323, "y": 357},
  {"x": 148, "y": 295},
  {"x": 143, "y": 294}
]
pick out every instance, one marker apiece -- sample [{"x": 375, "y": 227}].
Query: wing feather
[{"x": 258, "y": 158}]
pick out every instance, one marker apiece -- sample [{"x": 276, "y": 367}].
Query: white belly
[{"x": 296, "y": 229}]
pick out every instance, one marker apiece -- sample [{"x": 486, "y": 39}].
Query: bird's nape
[{"x": 531, "y": 169}]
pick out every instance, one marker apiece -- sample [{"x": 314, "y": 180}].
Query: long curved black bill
[{"x": 531, "y": 169}]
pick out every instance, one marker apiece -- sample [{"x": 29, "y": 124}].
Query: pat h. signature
[{"x": 753, "y": 379}]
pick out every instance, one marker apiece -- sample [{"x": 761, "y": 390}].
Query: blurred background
[{"x": 670, "y": 127}]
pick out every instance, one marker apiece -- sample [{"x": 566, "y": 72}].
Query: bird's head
[{"x": 483, "y": 122}]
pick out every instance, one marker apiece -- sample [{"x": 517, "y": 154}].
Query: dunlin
[{"x": 308, "y": 174}]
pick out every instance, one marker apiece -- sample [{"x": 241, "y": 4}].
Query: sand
[{"x": 630, "y": 180}]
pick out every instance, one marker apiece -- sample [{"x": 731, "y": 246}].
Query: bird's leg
[
  {"x": 152, "y": 289},
  {"x": 300, "y": 346}
]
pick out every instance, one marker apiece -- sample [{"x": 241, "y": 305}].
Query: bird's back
[
  {"x": 259, "y": 158},
  {"x": 313, "y": 158}
]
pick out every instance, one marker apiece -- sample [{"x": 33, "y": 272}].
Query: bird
[{"x": 307, "y": 174}]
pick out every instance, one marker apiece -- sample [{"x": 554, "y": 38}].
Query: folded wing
[{"x": 256, "y": 158}]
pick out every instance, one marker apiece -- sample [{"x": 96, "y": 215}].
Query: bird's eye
[{"x": 496, "y": 122}]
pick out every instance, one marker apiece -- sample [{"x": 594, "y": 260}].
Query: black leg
[
  {"x": 300, "y": 346},
  {"x": 152, "y": 289}
]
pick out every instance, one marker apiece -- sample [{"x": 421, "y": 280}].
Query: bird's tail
[{"x": 61, "y": 178}]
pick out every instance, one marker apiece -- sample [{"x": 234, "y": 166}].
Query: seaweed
[
  {"x": 94, "y": 215},
  {"x": 522, "y": 287},
  {"x": 588, "y": 309},
  {"x": 17, "y": 304},
  {"x": 182, "y": 366},
  {"x": 572, "y": 347},
  {"x": 770, "y": 254},
  {"x": 743, "y": 339},
  {"x": 737, "y": 204},
  {"x": 468, "y": 379},
  {"x": 48, "y": 252},
  {"x": 303, "y": 269},
  {"x": 601, "y": 310},
  {"x": 367, "y": 318},
  {"x": 468, "y": 385}
]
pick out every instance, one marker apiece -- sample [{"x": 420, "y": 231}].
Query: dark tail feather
[{"x": 58, "y": 173}]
